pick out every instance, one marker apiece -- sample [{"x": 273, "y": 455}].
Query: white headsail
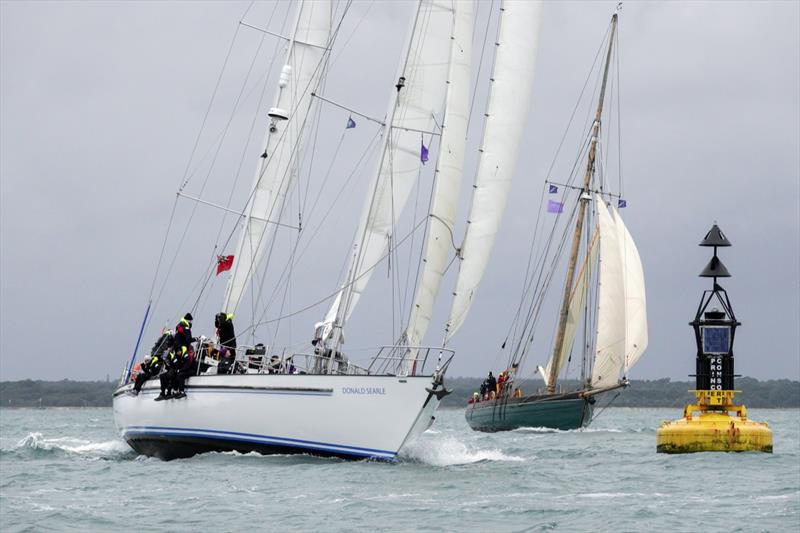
[
  {"x": 411, "y": 117},
  {"x": 636, "y": 337},
  {"x": 306, "y": 60},
  {"x": 507, "y": 109},
  {"x": 610, "y": 343},
  {"x": 449, "y": 171}
]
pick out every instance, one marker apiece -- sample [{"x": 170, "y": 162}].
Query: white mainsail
[
  {"x": 636, "y": 337},
  {"x": 577, "y": 306},
  {"x": 306, "y": 60},
  {"x": 412, "y": 114},
  {"x": 449, "y": 171},
  {"x": 611, "y": 318},
  {"x": 507, "y": 109}
]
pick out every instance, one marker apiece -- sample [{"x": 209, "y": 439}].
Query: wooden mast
[{"x": 576, "y": 239}]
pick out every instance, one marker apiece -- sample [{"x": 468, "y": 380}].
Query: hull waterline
[
  {"x": 353, "y": 417},
  {"x": 562, "y": 413}
]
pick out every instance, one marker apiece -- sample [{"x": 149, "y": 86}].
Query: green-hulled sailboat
[{"x": 603, "y": 297}]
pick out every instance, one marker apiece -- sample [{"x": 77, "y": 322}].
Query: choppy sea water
[{"x": 66, "y": 470}]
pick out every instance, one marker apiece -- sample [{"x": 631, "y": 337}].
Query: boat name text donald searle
[{"x": 363, "y": 390}]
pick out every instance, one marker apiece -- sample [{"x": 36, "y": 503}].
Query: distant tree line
[
  {"x": 773, "y": 393},
  {"x": 64, "y": 393}
]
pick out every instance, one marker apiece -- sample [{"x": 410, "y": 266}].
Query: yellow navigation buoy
[{"x": 714, "y": 423}]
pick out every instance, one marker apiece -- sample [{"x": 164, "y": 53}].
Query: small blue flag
[
  {"x": 553, "y": 189},
  {"x": 423, "y": 154},
  {"x": 554, "y": 207},
  {"x": 350, "y": 123},
  {"x": 622, "y": 203}
]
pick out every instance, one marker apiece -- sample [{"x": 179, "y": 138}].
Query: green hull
[{"x": 571, "y": 413}]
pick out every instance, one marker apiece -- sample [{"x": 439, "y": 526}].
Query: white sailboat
[
  {"x": 606, "y": 301},
  {"x": 328, "y": 405}
]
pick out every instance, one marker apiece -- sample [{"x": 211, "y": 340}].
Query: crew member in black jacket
[
  {"x": 179, "y": 367},
  {"x": 183, "y": 332},
  {"x": 150, "y": 369},
  {"x": 152, "y": 365},
  {"x": 227, "y": 339}
]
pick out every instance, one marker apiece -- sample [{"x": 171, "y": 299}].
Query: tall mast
[
  {"x": 576, "y": 238},
  {"x": 304, "y": 68},
  {"x": 418, "y": 97},
  {"x": 345, "y": 297}
]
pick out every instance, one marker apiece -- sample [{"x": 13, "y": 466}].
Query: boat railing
[
  {"x": 312, "y": 363},
  {"x": 402, "y": 360},
  {"x": 394, "y": 360}
]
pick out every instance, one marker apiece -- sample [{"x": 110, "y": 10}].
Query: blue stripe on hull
[
  {"x": 172, "y": 443},
  {"x": 556, "y": 414}
]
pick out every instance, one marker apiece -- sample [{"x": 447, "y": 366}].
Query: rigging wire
[
  {"x": 295, "y": 148},
  {"x": 243, "y": 155},
  {"x": 356, "y": 264},
  {"x": 205, "y": 181},
  {"x": 480, "y": 64},
  {"x": 619, "y": 115},
  {"x": 321, "y": 223},
  {"x": 189, "y": 161},
  {"x": 416, "y": 53},
  {"x": 353, "y": 281},
  {"x": 577, "y": 104},
  {"x": 352, "y": 33},
  {"x": 230, "y": 236},
  {"x": 541, "y": 288},
  {"x": 596, "y": 415}
]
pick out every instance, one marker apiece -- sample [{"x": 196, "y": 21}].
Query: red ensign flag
[{"x": 224, "y": 262}]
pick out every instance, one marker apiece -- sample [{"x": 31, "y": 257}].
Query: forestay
[
  {"x": 306, "y": 61},
  {"x": 507, "y": 109},
  {"x": 412, "y": 109},
  {"x": 449, "y": 171}
]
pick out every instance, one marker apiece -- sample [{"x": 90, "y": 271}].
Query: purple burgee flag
[
  {"x": 553, "y": 189},
  {"x": 350, "y": 123},
  {"x": 622, "y": 203},
  {"x": 423, "y": 153},
  {"x": 554, "y": 207}
]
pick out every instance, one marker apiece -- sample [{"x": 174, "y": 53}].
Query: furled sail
[
  {"x": 610, "y": 343},
  {"x": 635, "y": 302},
  {"x": 449, "y": 170},
  {"x": 306, "y": 60},
  {"x": 507, "y": 108},
  {"x": 411, "y": 119},
  {"x": 577, "y": 306}
]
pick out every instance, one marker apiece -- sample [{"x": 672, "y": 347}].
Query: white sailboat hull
[{"x": 331, "y": 415}]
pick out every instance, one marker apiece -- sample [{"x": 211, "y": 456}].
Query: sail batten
[
  {"x": 305, "y": 65},
  {"x": 507, "y": 108}
]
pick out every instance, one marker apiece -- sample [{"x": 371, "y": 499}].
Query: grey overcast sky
[{"x": 101, "y": 102}]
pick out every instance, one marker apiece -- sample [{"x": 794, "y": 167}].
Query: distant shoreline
[{"x": 768, "y": 394}]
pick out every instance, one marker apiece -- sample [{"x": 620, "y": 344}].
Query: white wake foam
[
  {"x": 37, "y": 441},
  {"x": 449, "y": 451},
  {"x": 579, "y": 430}
]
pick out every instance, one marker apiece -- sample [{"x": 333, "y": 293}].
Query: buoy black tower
[
  {"x": 715, "y": 329},
  {"x": 714, "y": 422}
]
